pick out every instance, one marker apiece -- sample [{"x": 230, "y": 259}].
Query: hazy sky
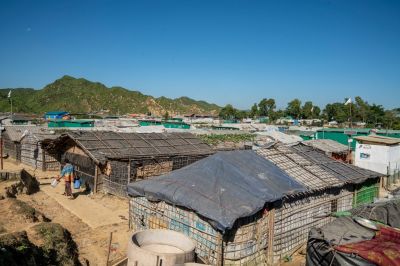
[{"x": 220, "y": 51}]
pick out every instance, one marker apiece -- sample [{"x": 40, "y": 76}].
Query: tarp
[
  {"x": 222, "y": 188},
  {"x": 343, "y": 230},
  {"x": 387, "y": 212},
  {"x": 383, "y": 249}
]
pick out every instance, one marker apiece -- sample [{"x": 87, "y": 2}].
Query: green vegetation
[
  {"x": 83, "y": 96},
  {"x": 215, "y": 139},
  {"x": 372, "y": 115},
  {"x": 58, "y": 246},
  {"x": 55, "y": 247}
]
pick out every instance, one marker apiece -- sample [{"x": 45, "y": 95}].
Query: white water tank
[{"x": 159, "y": 247}]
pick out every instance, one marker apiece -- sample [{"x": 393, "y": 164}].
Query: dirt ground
[{"x": 92, "y": 242}]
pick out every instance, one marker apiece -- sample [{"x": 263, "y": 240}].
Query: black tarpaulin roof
[{"x": 223, "y": 187}]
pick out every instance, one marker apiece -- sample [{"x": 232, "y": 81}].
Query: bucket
[
  {"x": 77, "y": 184},
  {"x": 54, "y": 183}
]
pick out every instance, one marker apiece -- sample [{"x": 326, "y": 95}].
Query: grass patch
[
  {"x": 215, "y": 139},
  {"x": 58, "y": 246}
]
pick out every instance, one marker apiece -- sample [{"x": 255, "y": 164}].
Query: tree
[
  {"x": 166, "y": 115},
  {"x": 294, "y": 108},
  {"x": 254, "y": 111},
  {"x": 228, "y": 112},
  {"x": 336, "y": 112},
  {"x": 316, "y": 112},
  {"x": 267, "y": 108},
  {"x": 361, "y": 109},
  {"x": 307, "y": 110},
  {"x": 375, "y": 115}
]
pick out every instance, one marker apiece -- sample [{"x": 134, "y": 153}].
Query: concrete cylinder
[{"x": 159, "y": 247}]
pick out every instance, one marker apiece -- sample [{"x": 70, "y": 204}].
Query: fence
[{"x": 365, "y": 194}]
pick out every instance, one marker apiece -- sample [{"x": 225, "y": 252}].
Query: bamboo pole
[
  {"x": 109, "y": 248},
  {"x": 271, "y": 223},
  {"x": 96, "y": 179}
]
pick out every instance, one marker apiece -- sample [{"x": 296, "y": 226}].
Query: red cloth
[{"x": 383, "y": 249}]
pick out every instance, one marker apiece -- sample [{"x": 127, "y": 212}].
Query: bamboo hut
[
  {"x": 33, "y": 154},
  {"x": 23, "y": 144},
  {"x": 246, "y": 207},
  {"x": 332, "y": 148},
  {"x": 108, "y": 161},
  {"x": 12, "y": 141}
]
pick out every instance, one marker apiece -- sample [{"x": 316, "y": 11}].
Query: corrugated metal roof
[
  {"x": 327, "y": 145},
  {"x": 378, "y": 139}
]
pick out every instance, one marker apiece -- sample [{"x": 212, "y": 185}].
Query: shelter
[
  {"x": 246, "y": 207},
  {"x": 330, "y": 147},
  {"x": 80, "y": 123},
  {"x": 108, "y": 161},
  {"x": 23, "y": 143},
  {"x": 56, "y": 115},
  {"x": 343, "y": 135},
  {"x": 378, "y": 153},
  {"x": 12, "y": 136}
]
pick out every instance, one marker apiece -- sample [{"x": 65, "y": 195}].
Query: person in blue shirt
[{"x": 67, "y": 173}]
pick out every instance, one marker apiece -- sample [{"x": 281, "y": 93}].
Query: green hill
[{"x": 83, "y": 96}]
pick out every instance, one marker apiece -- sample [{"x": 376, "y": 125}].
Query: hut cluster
[
  {"x": 244, "y": 207},
  {"x": 251, "y": 208}
]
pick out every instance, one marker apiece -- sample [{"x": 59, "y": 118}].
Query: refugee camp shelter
[
  {"x": 23, "y": 143},
  {"x": 330, "y": 147},
  {"x": 81, "y": 123},
  {"x": 246, "y": 207},
  {"x": 56, "y": 115},
  {"x": 343, "y": 135},
  {"x": 108, "y": 160},
  {"x": 378, "y": 153}
]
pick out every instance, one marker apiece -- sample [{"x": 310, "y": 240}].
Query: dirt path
[{"x": 89, "y": 219}]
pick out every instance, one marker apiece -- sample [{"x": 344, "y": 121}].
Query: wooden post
[
  {"x": 109, "y": 248},
  {"x": 96, "y": 179},
  {"x": 129, "y": 171},
  {"x": 44, "y": 168},
  {"x": 271, "y": 230},
  {"x": 220, "y": 249}
]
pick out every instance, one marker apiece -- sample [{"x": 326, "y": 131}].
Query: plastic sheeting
[
  {"x": 343, "y": 230},
  {"x": 222, "y": 188},
  {"x": 387, "y": 212}
]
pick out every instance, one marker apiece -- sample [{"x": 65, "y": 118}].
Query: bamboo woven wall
[
  {"x": 295, "y": 218},
  {"x": 246, "y": 244},
  {"x": 9, "y": 147},
  {"x": 32, "y": 155},
  {"x": 141, "y": 169}
]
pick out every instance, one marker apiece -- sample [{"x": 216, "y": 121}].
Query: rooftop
[
  {"x": 376, "y": 139},
  {"x": 103, "y": 145}
]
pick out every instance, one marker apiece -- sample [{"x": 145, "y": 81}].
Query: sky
[{"x": 236, "y": 51}]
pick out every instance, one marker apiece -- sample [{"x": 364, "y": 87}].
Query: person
[{"x": 68, "y": 174}]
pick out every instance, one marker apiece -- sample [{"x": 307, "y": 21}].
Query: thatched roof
[
  {"x": 314, "y": 169},
  {"x": 103, "y": 145}
]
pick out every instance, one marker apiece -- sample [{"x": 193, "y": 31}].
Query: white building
[{"x": 377, "y": 153}]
